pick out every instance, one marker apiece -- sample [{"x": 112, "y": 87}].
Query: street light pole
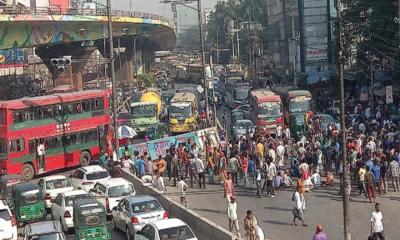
[
  {"x": 111, "y": 59},
  {"x": 203, "y": 55},
  {"x": 346, "y": 180}
]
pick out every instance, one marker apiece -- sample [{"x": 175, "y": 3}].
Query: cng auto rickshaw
[
  {"x": 28, "y": 201},
  {"x": 6, "y": 183},
  {"x": 90, "y": 221}
]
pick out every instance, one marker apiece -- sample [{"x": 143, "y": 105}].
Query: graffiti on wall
[{"x": 24, "y": 31}]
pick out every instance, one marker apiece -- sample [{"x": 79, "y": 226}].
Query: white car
[
  {"x": 111, "y": 191},
  {"x": 8, "y": 223},
  {"x": 86, "y": 177},
  {"x": 61, "y": 208},
  {"x": 52, "y": 186},
  {"x": 172, "y": 228}
]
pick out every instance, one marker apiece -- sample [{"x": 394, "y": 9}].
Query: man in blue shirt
[{"x": 376, "y": 171}]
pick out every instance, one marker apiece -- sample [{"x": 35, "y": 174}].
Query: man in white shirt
[
  {"x": 270, "y": 175},
  {"x": 280, "y": 153},
  {"x": 232, "y": 216},
  {"x": 377, "y": 224},
  {"x": 201, "y": 172},
  {"x": 41, "y": 151},
  {"x": 182, "y": 188},
  {"x": 158, "y": 182}
]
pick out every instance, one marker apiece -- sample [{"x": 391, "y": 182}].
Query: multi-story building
[{"x": 301, "y": 38}]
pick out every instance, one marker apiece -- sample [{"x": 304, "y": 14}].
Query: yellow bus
[{"x": 183, "y": 113}]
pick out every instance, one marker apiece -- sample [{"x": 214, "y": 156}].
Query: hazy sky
[{"x": 152, "y": 6}]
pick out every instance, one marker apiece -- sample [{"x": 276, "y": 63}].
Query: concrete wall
[{"x": 202, "y": 227}]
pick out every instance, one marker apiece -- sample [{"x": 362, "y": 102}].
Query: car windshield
[
  {"x": 69, "y": 200},
  {"x": 122, "y": 190},
  {"x": 4, "y": 214},
  {"x": 181, "y": 233},
  {"x": 97, "y": 175},
  {"x": 143, "y": 111},
  {"x": 271, "y": 109},
  {"x": 299, "y": 105},
  {"x": 244, "y": 125},
  {"x": 242, "y": 93},
  {"x": 147, "y": 206},
  {"x": 180, "y": 111},
  {"x": 51, "y": 236},
  {"x": 57, "y": 183}
]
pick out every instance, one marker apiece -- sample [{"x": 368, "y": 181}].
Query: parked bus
[
  {"x": 237, "y": 93},
  {"x": 296, "y": 106},
  {"x": 266, "y": 109},
  {"x": 48, "y": 133},
  {"x": 183, "y": 113}
]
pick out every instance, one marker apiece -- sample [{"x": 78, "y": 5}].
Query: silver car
[
  {"x": 242, "y": 127},
  {"x": 43, "y": 230},
  {"x": 132, "y": 213}
]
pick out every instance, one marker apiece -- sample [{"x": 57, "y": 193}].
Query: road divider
[{"x": 203, "y": 228}]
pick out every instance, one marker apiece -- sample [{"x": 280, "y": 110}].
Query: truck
[
  {"x": 183, "y": 113},
  {"x": 146, "y": 112}
]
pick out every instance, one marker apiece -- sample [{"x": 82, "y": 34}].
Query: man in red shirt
[{"x": 245, "y": 166}]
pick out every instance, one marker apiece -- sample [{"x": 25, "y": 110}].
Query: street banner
[
  {"x": 389, "y": 94},
  {"x": 158, "y": 147}
]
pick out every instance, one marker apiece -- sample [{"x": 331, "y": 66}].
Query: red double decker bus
[
  {"x": 48, "y": 133},
  {"x": 266, "y": 109}
]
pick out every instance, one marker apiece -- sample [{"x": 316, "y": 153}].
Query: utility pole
[
  {"x": 111, "y": 60},
  {"x": 213, "y": 91},
  {"x": 294, "y": 52},
  {"x": 346, "y": 180},
  {"x": 284, "y": 56},
  {"x": 203, "y": 55}
]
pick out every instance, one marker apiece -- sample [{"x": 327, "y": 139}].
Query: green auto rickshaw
[
  {"x": 90, "y": 221},
  {"x": 297, "y": 124},
  {"x": 157, "y": 131},
  {"x": 6, "y": 183},
  {"x": 28, "y": 203}
]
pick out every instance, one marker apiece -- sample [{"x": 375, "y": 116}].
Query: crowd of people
[{"x": 307, "y": 162}]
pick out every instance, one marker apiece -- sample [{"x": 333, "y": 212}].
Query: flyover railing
[{"x": 54, "y": 10}]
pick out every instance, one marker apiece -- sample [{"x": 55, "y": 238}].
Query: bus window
[
  {"x": 39, "y": 113},
  {"x": 77, "y": 107},
  {"x": 18, "y": 116},
  {"x": 3, "y": 147},
  {"x": 97, "y": 104},
  {"x": 17, "y": 145},
  {"x": 2, "y": 116},
  {"x": 57, "y": 110},
  {"x": 86, "y": 106},
  {"x": 29, "y": 115},
  {"x": 52, "y": 143},
  {"x": 32, "y": 147}
]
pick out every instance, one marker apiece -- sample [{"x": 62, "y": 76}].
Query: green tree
[{"x": 370, "y": 28}]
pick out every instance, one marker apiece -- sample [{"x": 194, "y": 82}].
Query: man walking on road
[
  {"x": 228, "y": 187},
  {"x": 377, "y": 224},
  {"x": 394, "y": 171},
  {"x": 201, "y": 171},
  {"x": 232, "y": 216},
  {"x": 299, "y": 206},
  {"x": 182, "y": 188},
  {"x": 270, "y": 175}
]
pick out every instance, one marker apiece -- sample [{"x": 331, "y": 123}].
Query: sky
[{"x": 153, "y": 6}]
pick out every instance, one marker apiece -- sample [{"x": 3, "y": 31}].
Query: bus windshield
[
  {"x": 180, "y": 111},
  {"x": 299, "y": 105},
  {"x": 143, "y": 111},
  {"x": 271, "y": 109},
  {"x": 242, "y": 93}
]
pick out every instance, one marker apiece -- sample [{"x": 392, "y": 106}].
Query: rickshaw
[
  {"x": 28, "y": 200},
  {"x": 6, "y": 183},
  {"x": 90, "y": 222}
]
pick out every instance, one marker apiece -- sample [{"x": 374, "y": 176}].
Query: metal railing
[{"x": 54, "y": 10}]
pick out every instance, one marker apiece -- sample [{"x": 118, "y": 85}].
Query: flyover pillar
[
  {"x": 72, "y": 74},
  {"x": 125, "y": 71}
]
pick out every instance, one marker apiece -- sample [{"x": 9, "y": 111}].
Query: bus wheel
[
  {"x": 85, "y": 158},
  {"x": 28, "y": 172}
]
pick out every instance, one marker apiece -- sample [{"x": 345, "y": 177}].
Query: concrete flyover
[{"x": 78, "y": 32}]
